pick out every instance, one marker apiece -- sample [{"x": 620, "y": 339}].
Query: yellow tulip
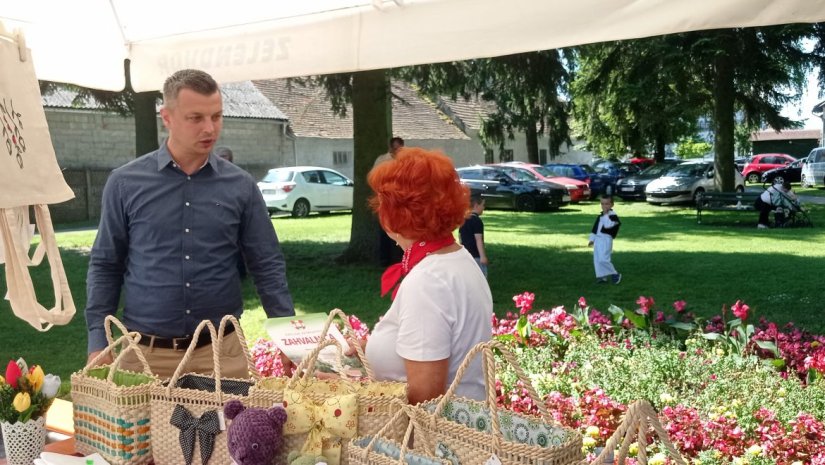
[
  {"x": 22, "y": 401},
  {"x": 36, "y": 378}
]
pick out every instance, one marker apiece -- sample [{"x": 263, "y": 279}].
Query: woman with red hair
[{"x": 443, "y": 306}]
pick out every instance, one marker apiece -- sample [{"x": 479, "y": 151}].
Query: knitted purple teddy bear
[{"x": 254, "y": 435}]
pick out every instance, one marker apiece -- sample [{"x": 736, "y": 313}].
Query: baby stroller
[{"x": 788, "y": 211}]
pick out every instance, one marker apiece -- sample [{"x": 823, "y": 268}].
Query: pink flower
[
  {"x": 645, "y": 304},
  {"x": 582, "y": 302},
  {"x": 740, "y": 310},
  {"x": 679, "y": 305},
  {"x": 524, "y": 302}
]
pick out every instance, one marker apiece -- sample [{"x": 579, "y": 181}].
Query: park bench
[{"x": 725, "y": 201}]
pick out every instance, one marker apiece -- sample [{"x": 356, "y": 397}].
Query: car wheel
[
  {"x": 698, "y": 194},
  {"x": 300, "y": 209},
  {"x": 778, "y": 180},
  {"x": 753, "y": 178},
  {"x": 525, "y": 203}
]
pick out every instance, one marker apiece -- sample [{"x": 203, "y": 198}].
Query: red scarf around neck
[{"x": 414, "y": 254}]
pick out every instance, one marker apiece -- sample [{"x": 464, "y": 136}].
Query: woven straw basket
[
  {"x": 198, "y": 394},
  {"x": 469, "y": 432},
  {"x": 380, "y": 449},
  {"x": 378, "y": 401},
  {"x": 112, "y": 406},
  {"x": 639, "y": 419}
]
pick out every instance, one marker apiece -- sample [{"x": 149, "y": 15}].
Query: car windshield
[
  {"x": 688, "y": 170},
  {"x": 588, "y": 169},
  {"x": 658, "y": 169},
  {"x": 544, "y": 171},
  {"x": 278, "y": 176}
]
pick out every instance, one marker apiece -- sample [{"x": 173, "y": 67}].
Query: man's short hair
[
  {"x": 192, "y": 79},
  {"x": 397, "y": 139},
  {"x": 225, "y": 153},
  {"x": 476, "y": 199}
]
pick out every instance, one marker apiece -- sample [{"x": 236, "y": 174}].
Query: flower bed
[{"x": 728, "y": 392}]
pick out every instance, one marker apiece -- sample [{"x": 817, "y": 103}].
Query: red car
[
  {"x": 758, "y": 164},
  {"x": 579, "y": 190}
]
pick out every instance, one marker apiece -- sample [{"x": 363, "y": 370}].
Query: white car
[
  {"x": 303, "y": 189},
  {"x": 686, "y": 182}
]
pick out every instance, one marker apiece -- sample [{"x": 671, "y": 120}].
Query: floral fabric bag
[
  {"x": 112, "y": 406},
  {"x": 323, "y": 414},
  {"x": 470, "y": 432}
]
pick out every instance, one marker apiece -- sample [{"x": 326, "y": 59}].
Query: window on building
[
  {"x": 340, "y": 157},
  {"x": 506, "y": 155},
  {"x": 542, "y": 156},
  {"x": 488, "y": 156}
]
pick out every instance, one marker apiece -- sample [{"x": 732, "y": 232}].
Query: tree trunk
[
  {"x": 532, "y": 136},
  {"x": 723, "y": 112},
  {"x": 659, "y": 155},
  {"x": 372, "y": 129},
  {"x": 146, "y": 124}
]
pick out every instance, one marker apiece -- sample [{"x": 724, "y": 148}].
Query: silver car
[
  {"x": 303, "y": 189},
  {"x": 686, "y": 182},
  {"x": 813, "y": 170}
]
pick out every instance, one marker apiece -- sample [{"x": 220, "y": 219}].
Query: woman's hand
[{"x": 351, "y": 350}]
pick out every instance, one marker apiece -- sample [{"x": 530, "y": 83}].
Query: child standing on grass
[
  {"x": 604, "y": 231},
  {"x": 472, "y": 233}
]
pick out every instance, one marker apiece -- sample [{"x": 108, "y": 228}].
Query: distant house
[
  {"x": 795, "y": 142},
  {"x": 819, "y": 110},
  {"x": 321, "y": 138},
  {"x": 469, "y": 115},
  {"x": 89, "y": 141}
]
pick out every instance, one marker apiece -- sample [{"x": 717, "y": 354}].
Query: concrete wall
[{"x": 89, "y": 144}]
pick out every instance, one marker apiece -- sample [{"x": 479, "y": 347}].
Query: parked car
[
  {"x": 789, "y": 173},
  {"x": 686, "y": 182},
  {"x": 600, "y": 182},
  {"x": 813, "y": 170},
  {"x": 740, "y": 163},
  {"x": 502, "y": 191},
  {"x": 304, "y": 189},
  {"x": 568, "y": 170},
  {"x": 758, "y": 164},
  {"x": 633, "y": 187},
  {"x": 520, "y": 171}
]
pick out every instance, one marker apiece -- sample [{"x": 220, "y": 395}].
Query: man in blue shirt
[{"x": 173, "y": 225}]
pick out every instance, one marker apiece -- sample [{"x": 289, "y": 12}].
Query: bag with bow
[
  {"x": 187, "y": 418},
  {"x": 471, "y": 432},
  {"x": 323, "y": 414},
  {"x": 112, "y": 406}
]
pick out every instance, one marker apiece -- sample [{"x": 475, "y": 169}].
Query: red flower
[
  {"x": 645, "y": 304},
  {"x": 524, "y": 302},
  {"x": 679, "y": 305},
  {"x": 13, "y": 373},
  {"x": 582, "y": 302},
  {"x": 740, "y": 310}
]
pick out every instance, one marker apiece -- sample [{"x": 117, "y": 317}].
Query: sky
[{"x": 802, "y": 110}]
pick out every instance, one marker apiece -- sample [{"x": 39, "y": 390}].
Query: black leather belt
[{"x": 180, "y": 343}]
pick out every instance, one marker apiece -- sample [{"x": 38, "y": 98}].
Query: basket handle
[
  {"x": 307, "y": 366},
  {"x": 129, "y": 342},
  {"x": 230, "y": 319},
  {"x": 384, "y": 429},
  {"x": 107, "y": 326},
  {"x": 216, "y": 370},
  {"x": 337, "y": 312},
  {"x": 489, "y": 365}
]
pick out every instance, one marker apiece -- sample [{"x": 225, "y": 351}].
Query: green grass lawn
[{"x": 661, "y": 252}]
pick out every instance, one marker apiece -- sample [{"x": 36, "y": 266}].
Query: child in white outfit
[{"x": 604, "y": 231}]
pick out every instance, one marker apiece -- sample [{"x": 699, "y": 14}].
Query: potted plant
[{"x": 26, "y": 393}]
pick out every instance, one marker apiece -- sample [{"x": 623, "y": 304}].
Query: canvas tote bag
[{"x": 29, "y": 176}]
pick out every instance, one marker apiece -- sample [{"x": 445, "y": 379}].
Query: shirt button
[
  {"x": 187, "y": 284},
  {"x": 188, "y": 311},
  {"x": 189, "y": 178},
  {"x": 186, "y": 230},
  {"x": 186, "y": 257},
  {"x": 187, "y": 204}
]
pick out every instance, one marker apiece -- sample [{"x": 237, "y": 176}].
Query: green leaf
[
  {"x": 768, "y": 345},
  {"x": 683, "y": 326},
  {"x": 813, "y": 376},
  {"x": 777, "y": 363},
  {"x": 523, "y": 327},
  {"x": 617, "y": 314},
  {"x": 713, "y": 336},
  {"x": 638, "y": 321}
]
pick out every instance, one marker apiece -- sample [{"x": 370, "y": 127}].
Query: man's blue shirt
[{"x": 172, "y": 242}]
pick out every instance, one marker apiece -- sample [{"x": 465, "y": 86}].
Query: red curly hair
[{"x": 419, "y": 194}]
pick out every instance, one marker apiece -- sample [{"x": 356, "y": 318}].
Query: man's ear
[{"x": 164, "y": 116}]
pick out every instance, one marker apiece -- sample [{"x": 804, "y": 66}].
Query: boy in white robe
[{"x": 604, "y": 231}]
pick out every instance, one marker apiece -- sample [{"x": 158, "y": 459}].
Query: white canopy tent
[{"x": 85, "y": 42}]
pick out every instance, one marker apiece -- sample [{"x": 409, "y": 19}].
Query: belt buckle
[{"x": 175, "y": 343}]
